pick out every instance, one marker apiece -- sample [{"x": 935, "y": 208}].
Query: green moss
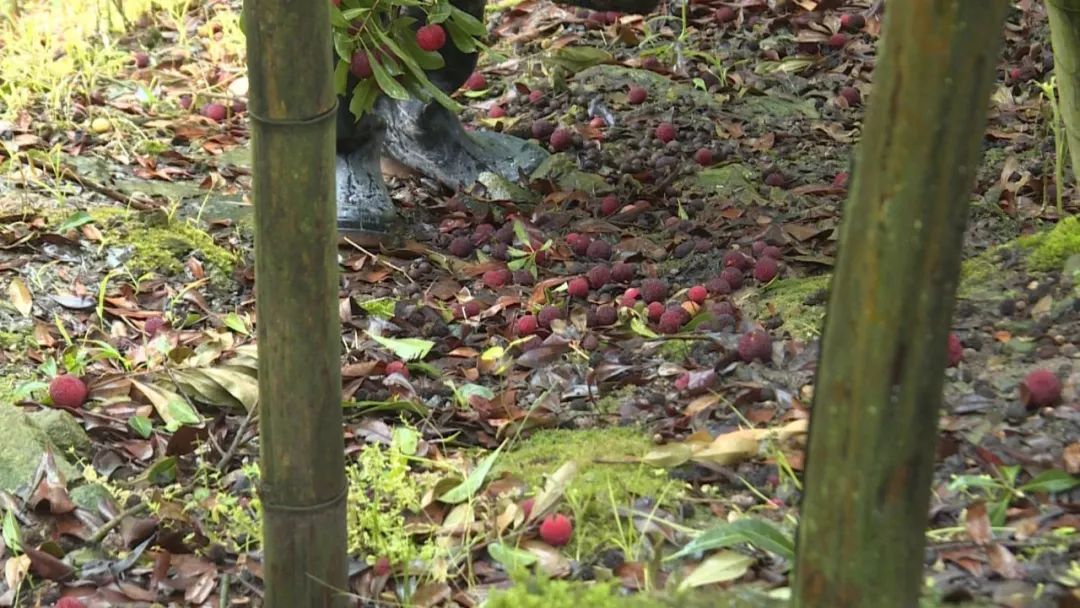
[
  {"x": 546, "y": 593},
  {"x": 162, "y": 248},
  {"x": 787, "y": 298},
  {"x": 1050, "y": 249},
  {"x": 607, "y": 478}
]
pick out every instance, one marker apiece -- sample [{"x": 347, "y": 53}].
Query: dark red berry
[
  {"x": 755, "y": 345},
  {"x": 578, "y": 288},
  {"x": 766, "y": 269},
  {"x": 476, "y": 82},
  {"x": 665, "y": 132},
  {"x": 654, "y": 290},
  {"x": 431, "y": 37},
  {"x": 360, "y": 66},
  {"x": 599, "y": 250},
  {"x": 637, "y": 95}
]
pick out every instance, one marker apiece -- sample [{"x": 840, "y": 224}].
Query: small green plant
[
  {"x": 1002, "y": 489},
  {"x": 1049, "y": 90},
  {"x": 526, "y": 256}
]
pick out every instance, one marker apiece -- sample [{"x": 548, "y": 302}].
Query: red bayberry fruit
[
  {"x": 599, "y": 250},
  {"x": 494, "y": 279},
  {"x": 609, "y": 205},
  {"x": 360, "y": 65},
  {"x": 671, "y": 321},
  {"x": 772, "y": 251},
  {"x": 547, "y": 315},
  {"x": 527, "y": 325},
  {"x": 840, "y": 180},
  {"x": 527, "y": 506},
  {"x": 461, "y": 247},
  {"x": 382, "y": 566},
  {"x": 682, "y": 382},
  {"x": 654, "y": 290},
  {"x": 578, "y": 287},
  {"x": 955, "y": 350},
  {"x": 758, "y": 247},
  {"x": 637, "y": 95},
  {"x": 852, "y": 22},
  {"x": 153, "y": 325},
  {"x": 851, "y": 95},
  {"x": 776, "y": 179},
  {"x": 542, "y": 129},
  {"x": 629, "y": 297},
  {"x": 536, "y": 96},
  {"x": 496, "y": 112},
  {"x": 718, "y": 286},
  {"x": 736, "y": 259},
  {"x": 1040, "y": 388},
  {"x": 698, "y": 294},
  {"x": 431, "y": 37},
  {"x": 766, "y": 269},
  {"x": 703, "y": 157},
  {"x": 598, "y": 276},
  {"x": 556, "y": 530},
  {"x": 733, "y": 276},
  {"x": 623, "y": 272},
  {"x": 476, "y": 82},
  {"x": 214, "y": 111},
  {"x": 724, "y": 14},
  {"x": 655, "y": 311},
  {"x": 606, "y": 315},
  {"x": 560, "y": 140},
  {"x": 665, "y": 132},
  {"x": 467, "y": 310},
  {"x": 397, "y": 367},
  {"x": 755, "y": 345},
  {"x": 140, "y": 59},
  {"x": 69, "y": 602},
  {"x": 837, "y": 41},
  {"x": 67, "y": 391}
]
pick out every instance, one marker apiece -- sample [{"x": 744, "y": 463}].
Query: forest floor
[{"x": 670, "y": 441}]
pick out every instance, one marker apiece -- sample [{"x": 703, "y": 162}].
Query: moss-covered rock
[
  {"x": 1050, "y": 249},
  {"x": 608, "y": 478},
  {"x": 22, "y": 444},
  {"x": 62, "y": 429}
]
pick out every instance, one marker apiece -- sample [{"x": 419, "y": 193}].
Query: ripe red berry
[
  {"x": 637, "y": 95},
  {"x": 1040, "y": 388},
  {"x": 655, "y": 311},
  {"x": 766, "y": 269},
  {"x": 494, "y": 279},
  {"x": 955, "y": 350},
  {"x": 496, "y": 112},
  {"x": 629, "y": 297},
  {"x": 671, "y": 321},
  {"x": 360, "y": 65},
  {"x": 527, "y": 325},
  {"x": 623, "y": 272},
  {"x": 755, "y": 345},
  {"x": 772, "y": 251},
  {"x": 840, "y": 180},
  {"x": 382, "y": 566},
  {"x": 837, "y": 41},
  {"x": 140, "y": 59},
  {"x": 556, "y": 530},
  {"x": 560, "y": 140},
  {"x": 606, "y": 315},
  {"x": 461, "y": 247},
  {"x": 527, "y": 506},
  {"x": 578, "y": 288},
  {"x": 467, "y": 310},
  {"x": 724, "y": 14},
  {"x": 431, "y": 37},
  {"x": 733, "y": 276},
  {"x": 536, "y": 96},
  {"x": 718, "y": 286},
  {"x": 609, "y": 205},
  {"x": 852, "y": 22},
  {"x": 547, "y": 315},
  {"x": 542, "y": 129},
  {"x": 698, "y": 294},
  {"x": 703, "y": 157},
  {"x": 476, "y": 82},
  {"x": 153, "y": 325},
  {"x": 758, "y": 247},
  {"x": 682, "y": 382},
  {"x": 69, "y": 602},
  {"x": 397, "y": 367},
  {"x": 776, "y": 179},
  {"x": 214, "y": 111},
  {"x": 599, "y": 250},
  {"x": 68, "y": 391},
  {"x": 654, "y": 290},
  {"x": 665, "y": 132},
  {"x": 598, "y": 276},
  {"x": 851, "y": 95},
  {"x": 736, "y": 259}
]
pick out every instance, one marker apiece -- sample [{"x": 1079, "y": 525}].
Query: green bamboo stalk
[
  {"x": 293, "y": 108},
  {"x": 1064, "y": 18},
  {"x": 878, "y": 389}
]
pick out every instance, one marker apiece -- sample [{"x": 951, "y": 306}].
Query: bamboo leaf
[
  {"x": 406, "y": 349},
  {"x": 472, "y": 483}
]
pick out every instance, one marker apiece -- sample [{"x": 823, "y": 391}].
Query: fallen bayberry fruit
[
  {"x": 140, "y": 59},
  {"x": 654, "y": 290},
  {"x": 606, "y": 315},
  {"x": 1040, "y": 388},
  {"x": 776, "y": 179},
  {"x": 599, "y": 250},
  {"x": 431, "y": 37},
  {"x": 637, "y": 95},
  {"x": 736, "y": 259},
  {"x": 68, "y": 391},
  {"x": 578, "y": 288},
  {"x": 955, "y": 350},
  {"x": 69, "y": 602},
  {"x": 536, "y": 96},
  {"x": 560, "y": 139},
  {"x": 527, "y": 325},
  {"x": 772, "y": 251},
  {"x": 609, "y": 205},
  {"x": 382, "y": 566},
  {"x": 543, "y": 129},
  {"x": 697, "y": 294},
  {"x": 671, "y": 320},
  {"x": 655, "y": 310},
  {"x": 598, "y": 276},
  {"x": 718, "y": 286},
  {"x": 494, "y": 279},
  {"x": 665, "y": 132},
  {"x": 214, "y": 111},
  {"x": 703, "y": 157},
  {"x": 733, "y": 276},
  {"x": 724, "y": 14},
  {"x": 476, "y": 82},
  {"x": 556, "y": 530},
  {"x": 766, "y": 269},
  {"x": 461, "y": 247},
  {"x": 755, "y": 345},
  {"x": 837, "y": 41},
  {"x": 397, "y": 367},
  {"x": 527, "y": 506},
  {"x": 852, "y": 22},
  {"x": 496, "y": 112},
  {"x": 851, "y": 95},
  {"x": 623, "y": 272},
  {"x": 153, "y": 325},
  {"x": 547, "y": 315}
]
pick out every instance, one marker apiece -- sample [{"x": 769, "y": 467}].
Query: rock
[
  {"x": 63, "y": 430},
  {"x": 22, "y": 443}
]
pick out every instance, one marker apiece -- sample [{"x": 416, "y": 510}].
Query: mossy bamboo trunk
[
  {"x": 1065, "y": 35},
  {"x": 293, "y": 107},
  {"x": 878, "y": 389}
]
